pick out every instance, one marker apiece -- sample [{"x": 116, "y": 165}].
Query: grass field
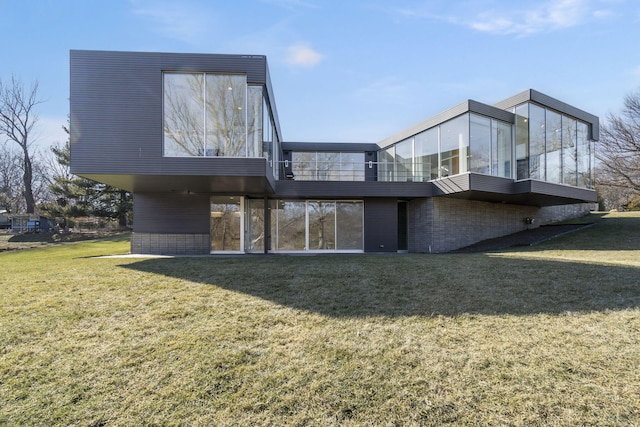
[{"x": 542, "y": 335}]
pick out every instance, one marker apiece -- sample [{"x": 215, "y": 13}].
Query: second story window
[{"x": 205, "y": 115}]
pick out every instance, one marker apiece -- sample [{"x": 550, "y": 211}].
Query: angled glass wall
[{"x": 553, "y": 147}]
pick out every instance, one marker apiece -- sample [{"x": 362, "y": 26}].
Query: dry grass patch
[{"x": 548, "y": 335}]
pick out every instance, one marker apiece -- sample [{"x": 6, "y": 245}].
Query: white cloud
[
  {"x": 303, "y": 55},
  {"x": 513, "y": 19},
  {"x": 174, "y": 19},
  {"x": 547, "y": 16}
]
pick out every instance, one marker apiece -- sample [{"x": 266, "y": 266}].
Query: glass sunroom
[{"x": 535, "y": 142}]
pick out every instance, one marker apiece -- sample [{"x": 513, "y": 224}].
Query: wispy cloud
[
  {"x": 512, "y": 19},
  {"x": 545, "y": 17},
  {"x": 303, "y": 55},
  {"x": 291, "y": 4},
  {"x": 174, "y": 19}
]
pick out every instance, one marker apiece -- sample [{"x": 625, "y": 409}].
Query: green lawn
[{"x": 543, "y": 335}]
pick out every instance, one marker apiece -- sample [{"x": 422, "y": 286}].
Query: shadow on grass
[{"x": 413, "y": 285}]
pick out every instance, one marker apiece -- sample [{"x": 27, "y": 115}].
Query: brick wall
[
  {"x": 170, "y": 244},
  {"x": 442, "y": 224}
]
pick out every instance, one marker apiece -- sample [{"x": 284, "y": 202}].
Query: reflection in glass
[
  {"x": 553, "y": 141},
  {"x": 289, "y": 220},
  {"x": 501, "y": 149},
  {"x": 328, "y": 166},
  {"x": 522, "y": 141},
  {"x": 583, "y": 156},
  {"x": 404, "y": 160},
  {"x": 537, "y": 136},
  {"x": 569, "y": 151},
  {"x": 349, "y": 217},
  {"x": 322, "y": 225},
  {"x": 206, "y": 115},
  {"x": 454, "y": 146},
  {"x": 225, "y": 224},
  {"x": 254, "y": 228},
  {"x": 480, "y": 144},
  {"x": 426, "y": 152},
  {"x": 254, "y": 121},
  {"x": 184, "y": 114}
]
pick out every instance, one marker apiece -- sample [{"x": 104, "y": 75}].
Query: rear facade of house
[{"x": 196, "y": 139}]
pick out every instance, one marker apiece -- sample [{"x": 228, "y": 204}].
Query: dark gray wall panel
[
  {"x": 352, "y": 189},
  {"x": 116, "y": 107},
  {"x": 381, "y": 225},
  {"x": 171, "y": 213}
]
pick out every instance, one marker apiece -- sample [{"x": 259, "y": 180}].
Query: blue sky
[{"x": 347, "y": 70}]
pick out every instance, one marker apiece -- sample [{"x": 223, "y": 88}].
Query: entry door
[{"x": 227, "y": 231}]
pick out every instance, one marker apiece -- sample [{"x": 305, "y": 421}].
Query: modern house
[{"x": 196, "y": 139}]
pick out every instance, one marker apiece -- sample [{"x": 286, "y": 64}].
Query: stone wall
[{"x": 170, "y": 244}]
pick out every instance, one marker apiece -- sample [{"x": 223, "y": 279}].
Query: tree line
[{"x": 32, "y": 183}]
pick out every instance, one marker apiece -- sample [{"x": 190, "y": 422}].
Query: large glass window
[
  {"x": 322, "y": 225},
  {"x": 254, "y": 228},
  {"x": 583, "y": 156},
  {"x": 316, "y": 225},
  {"x": 349, "y": 216},
  {"x": 426, "y": 152},
  {"x": 226, "y": 231},
  {"x": 288, "y": 222},
  {"x": 184, "y": 115},
  {"x": 553, "y": 141},
  {"x": 205, "y": 114},
  {"x": 569, "y": 151},
  {"x": 328, "y": 166},
  {"x": 537, "y": 136},
  {"x": 404, "y": 160},
  {"x": 254, "y": 121},
  {"x": 480, "y": 144},
  {"x": 454, "y": 146},
  {"x": 501, "y": 149},
  {"x": 522, "y": 141}
]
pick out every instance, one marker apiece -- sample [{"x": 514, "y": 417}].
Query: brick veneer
[
  {"x": 442, "y": 224},
  {"x": 172, "y": 244}
]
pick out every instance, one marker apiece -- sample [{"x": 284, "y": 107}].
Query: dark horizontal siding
[
  {"x": 171, "y": 213},
  {"x": 116, "y": 107},
  {"x": 352, "y": 189},
  {"x": 380, "y": 225}
]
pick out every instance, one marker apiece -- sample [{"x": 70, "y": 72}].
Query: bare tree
[
  {"x": 618, "y": 150},
  {"x": 17, "y": 120}
]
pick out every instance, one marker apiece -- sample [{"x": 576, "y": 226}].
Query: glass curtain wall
[
  {"x": 254, "y": 225},
  {"x": 559, "y": 146},
  {"x": 316, "y": 225},
  {"x": 404, "y": 160}
]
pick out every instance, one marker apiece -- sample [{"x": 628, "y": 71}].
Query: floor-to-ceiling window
[
  {"x": 226, "y": 229},
  {"x": 454, "y": 146},
  {"x": 316, "y": 226}
]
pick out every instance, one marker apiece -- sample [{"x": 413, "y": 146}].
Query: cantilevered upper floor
[{"x": 166, "y": 122}]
